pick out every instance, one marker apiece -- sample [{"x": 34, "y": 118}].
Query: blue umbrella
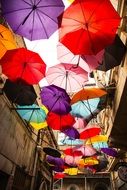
[
  {"x": 85, "y": 108},
  {"x": 99, "y": 145},
  {"x": 32, "y": 113},
  {"x": 71, "y": 141}
]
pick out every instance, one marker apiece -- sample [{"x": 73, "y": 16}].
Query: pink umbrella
[
  {"x": 72, "y": 160},
  {"x": 80, "y": 123},
  {"x": 67, "y": 76},
  {"x": 86, "y": 150},
  {"x": 87, "y": 62}
]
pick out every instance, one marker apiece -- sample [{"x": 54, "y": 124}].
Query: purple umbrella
[
  {"x": 55, "y": 99},
  {"x": 58, "y": 163},
  {"x": 109, "y": 151},
  {"x": 33, "y": 19},
  {"x": 71, "y": 132}
]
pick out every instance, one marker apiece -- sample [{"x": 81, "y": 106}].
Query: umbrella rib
[
  {"x": 47, "y": 16},
  {"x": 33, "y": 25},
  {"x": 27, "y": 2},
  {"x": 5, "y": 13}
]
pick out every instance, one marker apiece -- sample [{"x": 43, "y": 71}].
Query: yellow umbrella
[
  {"x": 42, "y": 125},
  {"x": 71, "y": 171},
  {"x": 7, "y": 41},
  {"x": 71, "y": 1},
  {"x": 88, "y": 161},
  {"x": 97, "y": 138}
]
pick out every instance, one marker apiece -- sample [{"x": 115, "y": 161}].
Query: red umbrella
[
  {"x": 23, "y": 64},
  {"x": 88, "y": 26},
  {"x": 59, "y": 175},
  {"x": 73, "y": 152},
  {"x": 90, "y": 131},
  {"x": 60, "y": 122}
]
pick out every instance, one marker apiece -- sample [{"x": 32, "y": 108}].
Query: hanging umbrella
[
  {"x": 99, "y": 145},
  {"x": 97, "y": 138},
  {"x": 88, "y": 93},
  {"x": 113, "y": 55},
  {"x": 57, "y": 164},
  {"x": 85, "y": 108},
  {"x": 71, "y": 141},
  {"x": 55, "y": 99},
  {"x": 19, "y": 92},
  {"x": 71, "y": 132},
  {"x": 110, "y": 151},
  {"x": 86, "y": 62},
  {"x": 84, "y": 26},
  {"x": 41, "y": 125},
  {"x": 72, "y": 160},
  {"x": 66, "y": 75},
  {"x": 89, "y": 150},
  {"x": 32, "y": 113},
  {"x": 59, "y": 175},
  {"x": 73, "y": 151},
  {"x": 23, "y": 64},
  {"x": 80, "y": 123},
  {"x": 52, "y": 151},
  {"x": 90, "y": 130},
  {"x": 88, "y": 161},
  {"x": 71, "y": 171},
  {"x": 7, "y": 40},
  {"x": 60, "y": 122},
  {"x": 32, "y": 19}
]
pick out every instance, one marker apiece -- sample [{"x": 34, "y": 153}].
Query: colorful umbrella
[
  {"x": 88, "y": 161},
  {"x": 23, "y": 64},
  {"x": 90, "y": 130},
  {"x": 32, "y": 19},
  {"x": 86, "y": 62},
  {"x": 70, "y": 141},
  {"x": 52, "y": 151},
  {"x": 55, "y": 99},
  {"x": 113, "y": 55},
  {"x": 71, "y": 171},
  {"x": 56, "y": 163},
  {"x": 72, "y": 160},
  {"x": 32, "y": 113},
  {"x": 71, "y": 132},
  {"x": 66, "y": 75},
  {"x": 7, "y": 40},
  {"x": 86, "y": 108},
  {"x": 99, "y": 145},
  {"x": 73, "y": 151},
  {"x": 84, "y": 26},
  {"x": 60, "y": 122},
  {"x": 97, "y": 138},
  {"x": 110, "y": 151},
  {"x": 80, "y": 123},
  {"x": 89, "y": 150},
  {"x": 20, "y": 92},
  {"x": 59, "y": 175},
  {"x": 38, "y": 126},
  {"x": 88, "y": 93}
]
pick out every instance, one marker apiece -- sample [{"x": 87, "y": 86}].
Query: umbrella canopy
[
  {"x": 88, "y": 161},
  {"x": 19, "y": 92},
  {"x": 7, "y": 40},
  {"x": 55, "y": 99},
  {"x": 60, "y": 122},
  {"x": 86, "y": 108},
  {"x": 113, "y": 55},
  {"x": 55, "y": 161},
  {"x": 84, "y": 25},
  {"x": 66, "y": 75},
  {"x": 52, "y": 151},
  {"x": 23, "y": 64},
  {"x": 32, "y": 19},
  {"x": 97, "y": 138},
  {"x": 73, "y": 151},
  {"x": 32, "y": 113},
  {"x": 80, "y": 123},
  {"x": 110, "y": 151},
  {"x": 38, "y": 126},
  {"x": 89, "y": 150},
  {"x": 72, "y": 160},
  {"x": 59, "y": 175},
  {"x": 71, "y": 132},
  {"x": 90, "y": 131},
  {"x": 86, "y": 62},
  {"x": 71, "y": 171},
  {"x": 71, "y": 141},
  {"x": 99, "y": 145},
  {"x": 87, "y": 93}
]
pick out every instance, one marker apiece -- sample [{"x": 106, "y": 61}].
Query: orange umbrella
[
  {"x": 7, "y": 41},
  {"x": 87, "y": 93}
]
